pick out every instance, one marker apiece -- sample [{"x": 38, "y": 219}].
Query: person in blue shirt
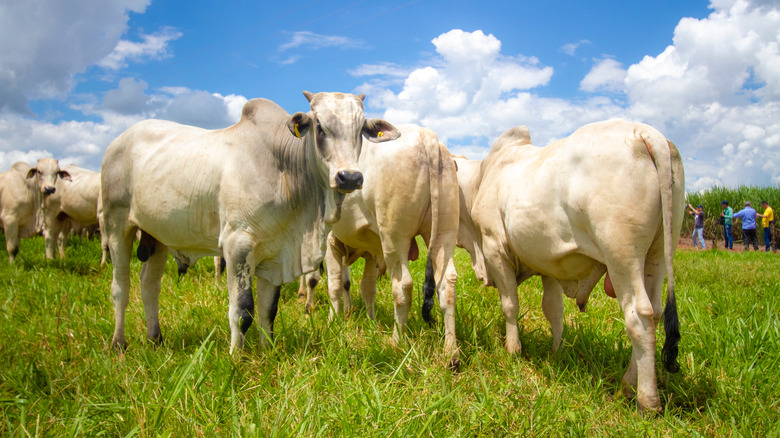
[{"x": 748, "y": 216}]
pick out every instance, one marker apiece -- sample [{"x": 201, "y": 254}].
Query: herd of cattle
[{"x": 275, "y": 195}]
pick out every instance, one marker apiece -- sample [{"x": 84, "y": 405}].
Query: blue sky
[{"x": 75, "y": 74}]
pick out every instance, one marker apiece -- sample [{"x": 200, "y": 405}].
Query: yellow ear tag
[
  {"x": 380, "y": 134},
  {"x": 297, "y": 134}
]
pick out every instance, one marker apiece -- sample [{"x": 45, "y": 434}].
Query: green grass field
[{"x": 58, "y": 377}]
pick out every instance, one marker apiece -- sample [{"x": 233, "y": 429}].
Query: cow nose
[
  {"x": 348, "y": 181},
  {"x": 49, "y": 190}
]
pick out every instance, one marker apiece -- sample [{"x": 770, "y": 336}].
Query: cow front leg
[
  {"x": 402, "y": 283},
  {"x": 51, "y": 234},
  {"x": 62, "y": 239},
  {"x": 151, "y": 284},
  {"x": 335, "y": 269},
  {"x": 267, "y": 308},
  {"x": 368, "y": 285},
  {"x": 552, "y": 305},
  {"x": 240, "y": 269}
]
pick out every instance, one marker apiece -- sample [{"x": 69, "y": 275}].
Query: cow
[
  {"x": 262, "y": 193},
  {"x": 410, "y": 188},
  {"x": 73, "y": 204},
  {"x": 608, "y": 198},
  {"x": 19, "y": 206}
]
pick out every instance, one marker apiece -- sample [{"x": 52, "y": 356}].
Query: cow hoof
[
  {"x": 119, "y": 345},
  {"x": 454, "y": 365},
  {"x": 156, "y": 340}
]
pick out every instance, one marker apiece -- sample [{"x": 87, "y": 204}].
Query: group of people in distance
[{"x": 748, "y": 216}]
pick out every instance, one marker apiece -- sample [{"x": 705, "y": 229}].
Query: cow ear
[
  {"x": 299, "y": 124},
  {"x": 32, "y": 172},
  {"x": 64, "y": 175},
  {"x": 378, "y": 130}
]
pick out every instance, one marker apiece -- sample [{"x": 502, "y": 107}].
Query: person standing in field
[
  {"x": 728, "y": 218},
  {"x": 768, "y": 222},
  {"x": 698, "y": 224},
  {"x": 748, "y": 216}
]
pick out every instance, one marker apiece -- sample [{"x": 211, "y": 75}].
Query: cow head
[
  {"x": 48, "y": 170},
  {"x": 334, "y": 126}
]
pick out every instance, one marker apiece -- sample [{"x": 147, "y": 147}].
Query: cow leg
[
  {"x": 308, "y": 283},
  {"x": 402, "y": 283},
  {"x": 51, "y": 234},
  {"x": 240, "y": 270},
  {"x": 552, "y": 305},
  {"x": 334, "y": 265},
  {"x": 267, "y": 308},
  {"x": 11, "y": 238},
  {"x": 62, "y": 239},
  {"x": 151, "y": 279},
  {"x": 219, "y": 268},
  {"x": 120, "y": 243},
  {"x": 447, "y": 303},
  {"x": 368, "y": 284},
  {"x": 640, "y": 376}
]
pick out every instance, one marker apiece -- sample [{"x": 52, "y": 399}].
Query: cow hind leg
[
  {"x": 640, "y": 378},
  {"x": 552, "y": 306},
  {"x": 11, "y": 239},
  {"x": 402, "y": 284},
  {"x": 151, "y": 279},
  {"x": 120, "y": 245},
  {"x": 506, "y": 282}
]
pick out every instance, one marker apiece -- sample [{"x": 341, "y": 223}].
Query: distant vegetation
[{"x": 711, "y": 200}]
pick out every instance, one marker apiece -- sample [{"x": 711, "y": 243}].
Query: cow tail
[
  {"x": 429, "y": 288},
  {"x": 433, "y": 151},
  {"x": 662, "y": 157}
]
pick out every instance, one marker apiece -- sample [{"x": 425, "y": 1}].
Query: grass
[{"x": 59, "y": 377}]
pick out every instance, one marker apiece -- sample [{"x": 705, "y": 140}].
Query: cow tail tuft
[
  {"x": 672, "y": 329},
  {"x": 429, "y": 288}
]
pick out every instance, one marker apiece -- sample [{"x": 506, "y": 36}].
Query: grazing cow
[
  {"x": 608, "y": 198},
  {"x": 71, "y": 206},
  {"x": 19, "y": 206},
  {"x": 410, "y": 189},
  {"x": 262, "y": 193}
]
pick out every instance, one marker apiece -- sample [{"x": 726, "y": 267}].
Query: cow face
[
  {"x": 334, "y": 126},
  {"x": 48, "y": 170}
]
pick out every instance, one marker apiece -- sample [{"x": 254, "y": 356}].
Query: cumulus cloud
[
  {"x": 571, "y": 48},
  {"x": 458, "y": 94},
  {"x": 606, "y": 75},
  {"x": 715, "y": 92},
  {"x": 37, "y": 38},
  {"x": 153, "y": 46}
]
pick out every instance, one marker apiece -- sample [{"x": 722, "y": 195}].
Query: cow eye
[{"x": 320, "y": 132}]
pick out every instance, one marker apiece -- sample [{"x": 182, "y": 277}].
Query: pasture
[{"x": 58, "y": 376}]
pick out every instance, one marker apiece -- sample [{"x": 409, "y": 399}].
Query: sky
[{"x": 74, "y": 74}]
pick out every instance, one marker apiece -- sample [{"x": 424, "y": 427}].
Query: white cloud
[
  {"x": 571, "y": 48},
  {"x": 606, "y": 75},
  {"x": 311, "y": 40},
  {"x": 153, "y": 46},
  {"x": 43, "y": 43}
]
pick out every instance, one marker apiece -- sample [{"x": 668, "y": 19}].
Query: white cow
[
  {"x": 71, "y": 206},
  {"x": 410, "y": 189},
  {"x": 262, "y": 193},
  {"x": 19, "y": 206},
  {"x": 608, "y": 198}
]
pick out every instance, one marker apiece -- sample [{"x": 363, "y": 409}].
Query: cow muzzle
[
  {"x": 49, "y": 190},
  {"x": 347, "y": 181}
]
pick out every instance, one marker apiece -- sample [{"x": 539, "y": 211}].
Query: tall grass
[
  {"x": 59, "y": 378},
  {"x": 711, "y": 198}
]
